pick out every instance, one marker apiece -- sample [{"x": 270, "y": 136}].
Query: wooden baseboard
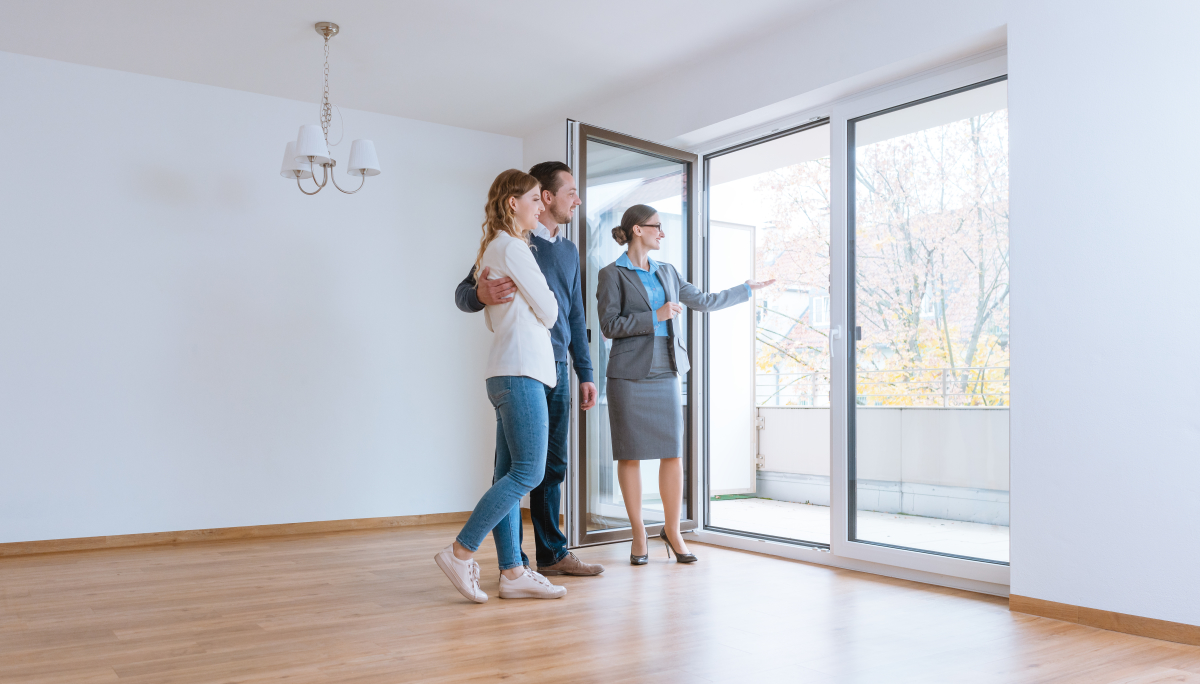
[
  {"x": 224, "y": 533},
  {"x": 1104, "y": 619}
]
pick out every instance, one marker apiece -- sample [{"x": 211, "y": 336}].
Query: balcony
[{"x": 931, "y": 475}]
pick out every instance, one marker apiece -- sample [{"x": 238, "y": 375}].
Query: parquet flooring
[{"x": 371, "y": 607}]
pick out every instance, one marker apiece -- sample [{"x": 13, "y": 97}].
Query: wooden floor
[{"x": 372, "y": 607}]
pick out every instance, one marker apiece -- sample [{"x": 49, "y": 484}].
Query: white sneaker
[
  {"x": 463, "y": 574},
  {"x": 530, "y": 585}
]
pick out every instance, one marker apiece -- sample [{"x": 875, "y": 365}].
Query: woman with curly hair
[{"x": 520, "y": 367}]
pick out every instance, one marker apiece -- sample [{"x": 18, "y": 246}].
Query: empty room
[{"x": 334, "y": 337}]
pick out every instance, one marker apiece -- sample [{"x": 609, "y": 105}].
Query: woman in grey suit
[{"x": 638, "y": 300}]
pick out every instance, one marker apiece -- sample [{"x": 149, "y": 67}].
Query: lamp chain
[
  {"x": 326, "y": 108},
  {"x": 327, "y": 29}
]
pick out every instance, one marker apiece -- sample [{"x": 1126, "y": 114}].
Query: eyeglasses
[{"x": 655, "y": 226}]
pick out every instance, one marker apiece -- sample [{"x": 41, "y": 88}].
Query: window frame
[
  {"x": 960, "y": 573},
  {"x": 842, "y": 494},
  {"x": 576, "y": 484},
  {"x": 705, "y": 523}
]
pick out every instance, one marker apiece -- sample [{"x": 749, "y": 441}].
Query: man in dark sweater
[{"x": 559, "y": 260}]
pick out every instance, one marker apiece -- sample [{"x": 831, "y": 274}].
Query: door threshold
[{"x": 820, "y": 556}]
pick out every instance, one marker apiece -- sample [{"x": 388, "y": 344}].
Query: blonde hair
[{"x": 500, "y": 216}]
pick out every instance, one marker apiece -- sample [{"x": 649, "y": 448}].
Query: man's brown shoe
[{"x": 570, "y": 565}]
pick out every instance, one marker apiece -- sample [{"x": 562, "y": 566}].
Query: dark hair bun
[{"x": 633, "y": 216}]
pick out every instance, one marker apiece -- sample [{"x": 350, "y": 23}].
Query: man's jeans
[
  {"x": 521, "y": 428},
  {"x": 546, "y": 499}
]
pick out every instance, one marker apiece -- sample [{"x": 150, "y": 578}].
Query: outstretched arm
[{"x": 697, "y": 300}]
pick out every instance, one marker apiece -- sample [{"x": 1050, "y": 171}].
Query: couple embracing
[{"x": 526, "y": 280}]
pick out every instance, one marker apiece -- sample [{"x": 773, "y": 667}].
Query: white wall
[
  {"x": 1106, "y": 411},
  {"x": 188, "y": 342},
  {"x": 1106, "y": 405}
]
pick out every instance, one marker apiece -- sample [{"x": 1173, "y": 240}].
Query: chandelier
[{"x": 311, "y": 148}]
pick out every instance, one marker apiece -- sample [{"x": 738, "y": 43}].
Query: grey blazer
[{"x": 627, "y": 319}]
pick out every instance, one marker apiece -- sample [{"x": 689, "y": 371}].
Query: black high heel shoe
[
  {"x": 642, "y": 559},
  {"x": 679, "y": 557}
]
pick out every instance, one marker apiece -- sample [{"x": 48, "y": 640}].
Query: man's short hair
[{"x": 546, "y": 173}]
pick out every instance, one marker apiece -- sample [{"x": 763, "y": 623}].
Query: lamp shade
[
  {"x": 363, "y": 161},
  {"x": 291, "y": 165},
  {"x": 311, "y": 143}
]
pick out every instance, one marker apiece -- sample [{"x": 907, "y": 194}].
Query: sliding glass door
[
  {"x": 859, "y": 404},
  {"x": 615, "y": 172},
  {"x": 928, "y": 372},
  {"x": 767, "y": 217}
]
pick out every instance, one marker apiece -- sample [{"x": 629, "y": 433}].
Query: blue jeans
[
  {"x": 522, "y": 426},
  {"x": 545, "y": 501}
]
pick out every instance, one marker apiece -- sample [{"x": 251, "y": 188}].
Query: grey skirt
[{"x": 646, "y": 416}]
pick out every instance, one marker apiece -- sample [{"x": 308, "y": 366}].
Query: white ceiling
[{"x": 495, "y": 66}]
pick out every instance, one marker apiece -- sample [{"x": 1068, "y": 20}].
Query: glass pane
[
  {"x": 778, "y": 189},
  {"x": 616, "y": 179},
  {"x": 931, "y": 288}
]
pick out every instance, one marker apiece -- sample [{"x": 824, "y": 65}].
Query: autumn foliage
[{"x": 931, "y": 269}]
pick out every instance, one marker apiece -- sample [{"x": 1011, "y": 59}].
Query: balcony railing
[
  {"x": 980, "y": 386},
  {"x": 792, "y": 389}
]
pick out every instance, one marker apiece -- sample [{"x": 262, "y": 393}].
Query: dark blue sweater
[{"x": 559, "y": 261}]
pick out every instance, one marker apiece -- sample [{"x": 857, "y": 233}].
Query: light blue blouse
[{"x": 654, "y": 288}]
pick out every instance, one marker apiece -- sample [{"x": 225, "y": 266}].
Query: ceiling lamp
[{"x": 311, "y": 148}]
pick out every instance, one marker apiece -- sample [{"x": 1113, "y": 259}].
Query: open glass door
[{"x": 614, "y": 172}]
